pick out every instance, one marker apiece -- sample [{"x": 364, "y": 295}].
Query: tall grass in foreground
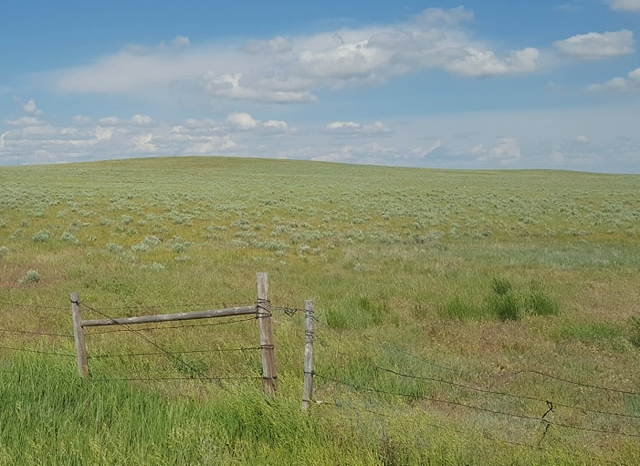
[{"x": 49, "y": 418}]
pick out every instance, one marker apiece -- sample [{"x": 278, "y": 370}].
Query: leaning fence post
[
  {"x": 78, "y": 334},
  {"x": 307, "y": 393},
  {"x": 266, "y": 335}
]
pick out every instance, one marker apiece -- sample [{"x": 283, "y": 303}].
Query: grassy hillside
[{"x": 464, "y": 317}]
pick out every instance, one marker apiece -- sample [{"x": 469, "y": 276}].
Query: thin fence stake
[
  {"x": 307, "y": 393},
  {"x": 78, "y": 334},
  {"x": 266, "y": 335}
]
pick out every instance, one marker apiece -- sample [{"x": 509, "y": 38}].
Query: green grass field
[{"x": 464, "y": 317}]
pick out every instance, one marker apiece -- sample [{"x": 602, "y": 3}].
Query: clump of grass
[
  {"x": 540, "y": 303},
  {"x": 69, "y": 237},
  {"x": 146, "y": 244},
  {"x": 505, "y": 306},
  {"x": 112, "y": 247},
  {"x": 459, "y": 308},
  {"x": 501, "y": 287},
  {"x": 32, "y": 276},
  {"x": 42, "y": 236}
]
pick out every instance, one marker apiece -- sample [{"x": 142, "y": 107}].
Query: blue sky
[{"x": 481, "y": 84}]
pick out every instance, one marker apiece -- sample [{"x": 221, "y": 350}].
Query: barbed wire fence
[
  {"x": 42, "y": 343},
  {"x": 374, "y": 386},
  {"x": 373, "y": 390},
  {"x": 165, "y": 359}
]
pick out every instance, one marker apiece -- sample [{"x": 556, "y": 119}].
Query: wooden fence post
[
  {"x": 78, "y": 334},
  {"x": 266, "y": 335},
  {"x": 307, "y": 393}
]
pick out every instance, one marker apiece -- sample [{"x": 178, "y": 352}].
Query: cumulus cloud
[
  {"x": 104, "y": 134},
  {"x": 367, "y": 153},
  {"x": 276, "y": 125},
  {"x": 346, "y": 127},
  {"x": 241, "y": 121},
  {"x": 141, "y": 120},
  {"x": 239, "y": 86},
  {"x": 618, "y": 84},
  {"x": 626, "y": 5},
  {"x": 109, "y": 121},
  {"x": 143, "y": 143},
  {"x": 294, "y": 69},
  {"x": 451, "y": 17},
  {"x": 23, "y": 121},
  {"x": 597, "y": 46},
  {"x": 485, "y": 63},
  {"x": 506, "y": 151},
  {"x": 30, "y": 108}
]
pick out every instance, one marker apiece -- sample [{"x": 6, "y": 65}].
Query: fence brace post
[
  {"x": 266, "y": 335},
  {"x": 78, "y": 334},
  {"x": 307, "y": 393}
]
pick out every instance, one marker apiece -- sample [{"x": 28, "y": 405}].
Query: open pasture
[{"x": 464, "y": 317}]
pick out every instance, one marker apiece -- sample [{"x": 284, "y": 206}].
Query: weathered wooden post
[
  {"x": 78, "y": 334},
  {"x": 266, "y": 335},
  {"x": 307, "y": 393}
]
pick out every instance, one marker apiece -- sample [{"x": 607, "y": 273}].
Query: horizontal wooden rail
[{"x": 232, "y": 311}]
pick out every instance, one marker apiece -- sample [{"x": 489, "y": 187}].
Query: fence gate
[{"x": 262, "y": 311}]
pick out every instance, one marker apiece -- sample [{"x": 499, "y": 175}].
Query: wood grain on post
[
  {"x": 229, "y": 312},
  {"x": 266, "y": 335},
  {"x": 78, "y": 334},
  {"x": 307, "y": 393}
]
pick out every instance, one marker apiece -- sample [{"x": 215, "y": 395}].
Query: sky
[{"x": 491, "y": 84}]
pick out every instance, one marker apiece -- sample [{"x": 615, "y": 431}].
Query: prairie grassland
[{"x": 451, "y": 305}]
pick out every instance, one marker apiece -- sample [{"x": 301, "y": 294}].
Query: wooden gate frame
[{"x": 262, "y": 311}]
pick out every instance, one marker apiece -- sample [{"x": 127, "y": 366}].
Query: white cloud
[
  {"x": 242, "y": 121},
  {"x": 24, "y": 121},
  {"x": 276, "y": 125},
  {"x": 451, "y": 17},
  {"x": 143, "y": 143},
  {"x": 30, "y": 108},
  {"x": 368, "y": 153},
  {"x": 104, "y": 134},
  {"x": 234, "y": 86},
  {"x": 506, "y": 151},
  {"x": 293, "y": 69},
  {"x": 109, "y": 121},
  {"x": 618, "y": 84},
  {"x": 343, "y": 125},
  {"x": 210, "y": 145},
  {"x": 596, "y": 46},
  {"x": 346, "y": 127},
  {"x": 582, "y": 139},
  {"x": 142, "y": 120},
  {"x": 626, "y": 5},
  {"x": 421, "y": 152},
  {"x": 180, "y": 41},
  {"x": 477, "y": 63}
]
